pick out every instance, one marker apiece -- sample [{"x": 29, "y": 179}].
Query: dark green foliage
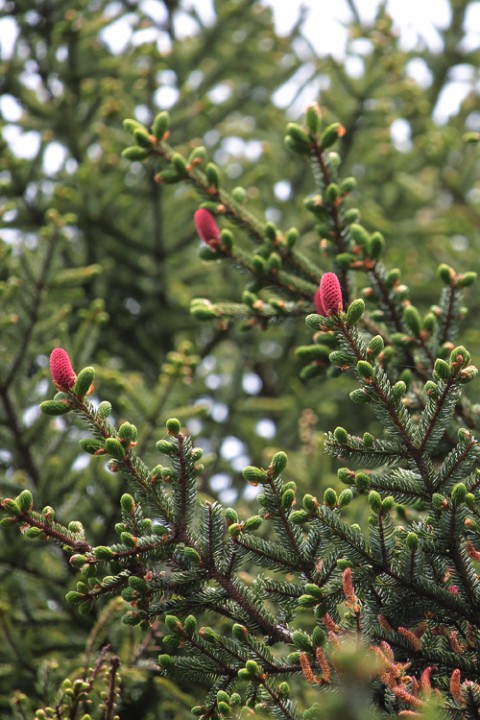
[{"x": 305, "y": 586}]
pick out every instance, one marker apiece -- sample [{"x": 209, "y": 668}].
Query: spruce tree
[{"x": 310, "y": 600}]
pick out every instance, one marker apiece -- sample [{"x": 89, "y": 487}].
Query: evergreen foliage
[{"x": 314, "y": 596}]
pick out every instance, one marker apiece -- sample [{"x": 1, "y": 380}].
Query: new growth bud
[
  {"x": 328, "y": 298},
  {"x": 207, "y": 228},
  {"x": 63, "y": 375}
]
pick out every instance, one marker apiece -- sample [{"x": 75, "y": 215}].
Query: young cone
[
  {"x": 328, "y": 298},
  {"x": 207, "y": 228},
  {"x": 63, "y": 375}
]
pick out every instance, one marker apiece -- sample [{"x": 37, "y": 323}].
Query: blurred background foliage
[{"x": 99, "y": 258}]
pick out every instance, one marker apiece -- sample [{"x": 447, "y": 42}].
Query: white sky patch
[
  {"x": 265, "y": 428},
  {"x": 24, "y": 145},
  {"x": 54, "y": 158},
  {"x": 401, "y": 133},
  {"x": 10, "y": 108},
  {"x": 8, "y": 37}
]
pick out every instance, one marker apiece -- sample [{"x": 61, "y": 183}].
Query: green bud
[
  {"x": 239, "y": 194},
  {"x": 161, "y": 125},
  {"x": 279, "y": 463},
  {"x": 439, "y": 502},
  {"x": 293, "y": 658},
  {"x": 375, "y": 346},
  {"x": 468, "y": 374},
  {"x": 102, "y": 552},
  {"x": 172, "y": 622},
  {"x": 114, "y": 448},
  {"x": 341, "y": 359},
  {"x": 331, "y": 134},
  {"x": 313, "y": 353},
  {"x": 429, "y": 323},
  {"x": 399, "y": 390},
  {"x": 345, "y": 497},
  {"x": 173, "y": 426},
  {"x": 312, "y": 119},
  {"x": 231, "y": 516},
  {"x": 287, "y": 499},
  {"x": 74, "y": 598},
  {"x": 299, "y": 135},
  {"x": 299, "y": 517},
  {"x": 355, "y": 311},
  {"x": 412, "y": 541},
  {"x": 54, "y": 407},
  {"x": 142, "y": 138},
  {"x": 24, "y": 501},
  {"x": 213, "y": 176},
  {"x": 131, "y": 125},
  {"x": 11, "y": 507},
  {"x": 312, "y": 370},
  {"x": 84, "y": 381},
  {"x": 166, "y": 662},
  {"x": 192, "y": 555},
  {"x": 307, "y": 601},
  {"x": 446, "y": 274},
  {"x": 254, "y": 475},
  {"x": 291, "y": 237},
  {"x": 310, "y": 503},
  {"x": 127, "y": 503},
  {"x": 375, "y": 501},
  {"x": 466, "y": 279},
  {"x": 471, "y": 501},
  {"x": 166, "y": 447},
  {"x": 104, "y": 409},
  {"x": 412, "y": 319},
  {"x": 180, "y": 165},
  {"x": 376, "y": 245},
  {"x": 330, "y": 497},
  {"x": 368, "y": 439},
  {"x": 127, "y": 432},
  {"x": 135, "y": 153},
  {"x": 91, "y": 445},
  {"x": 360, "y": 396},
  {"x": 203, "y": 309},
  {"x": 341, "y": 435},
  {"x": 345, "y": 260},
  {"x": 240, "y": 632},
  {"x": 301, "y": 641},
  {"x": 458, "y": 494},
  {"x": 131, "y": 619},
  {"x": 388, "y": 503},
  {"x": 319, "y": 636},
  {"x": 128, "y": 539},
  {"x": 348, "y": 185},
  {"x": 345, "y": 475},
  {"x": 359, "y": 235},
  {"x": 460, "y": 356},
  {"x": 253, "y": 523},
  {"x": 442, "y": 369},
  {"x": 393, "y": 276},
  {"x": 352, "y": 215},
  {"x": 8, "y": 521},
  {"x": 314, "y": 321},
  {"x": 31, "y": 532},
  {"x": 365, "y": 370},
  {"x": 314, "y": 590},
  {"x": 332, "y": 192}
]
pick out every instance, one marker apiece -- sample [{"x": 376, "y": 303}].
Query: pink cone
[
  {"x": 207, "y": 228},
  {"x": 328, "y": 298},
  {"x": 63, "y": 375}
]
